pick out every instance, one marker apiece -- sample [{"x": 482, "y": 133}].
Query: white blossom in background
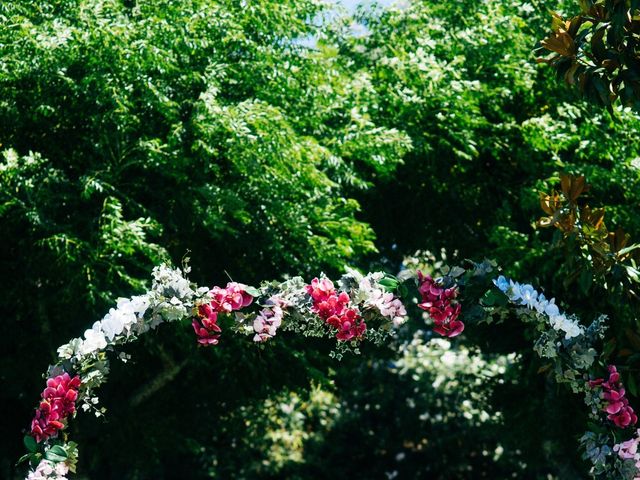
[{"x": 527, "y": 296}]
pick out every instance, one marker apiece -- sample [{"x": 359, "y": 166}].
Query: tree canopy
[{"x": 270, "y": 138}]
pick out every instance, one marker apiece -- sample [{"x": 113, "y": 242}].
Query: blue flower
[{"x": 502, "y": 283}]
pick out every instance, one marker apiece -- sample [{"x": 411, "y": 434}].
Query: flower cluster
[
  {"x": 527, "y": 296},
  {"x": 269, "y": 319},
  {"x": 223, "y": 300},
  {"x": 385, "y": 302},
  {"x": 310, "y": 308},
  {"x": 118, "y": 320},
  {"x": 47, "y": 470},
  {"x": 629, "y": 451},
  {"x": 233, "y": 297},
  {"x": 334, "y": 309},
  {"x": 613, "y": 393},
  {"x": 58, "y": 402},
  {"x": 439, "y": 302},
  {"x": 206, "y": 325}
]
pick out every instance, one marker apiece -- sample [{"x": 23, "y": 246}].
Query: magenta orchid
[
  {"x": 617, "y": 405},
  {"x": 58, "y": 402},
  {"x": 441, "y": 305}
]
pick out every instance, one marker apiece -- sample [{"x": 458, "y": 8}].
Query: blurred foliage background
[{"x": 276, "y": 137}]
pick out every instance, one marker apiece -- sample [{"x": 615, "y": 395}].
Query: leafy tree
[
  {"x": 597, "y": 51},
  {"x": 490, "y": 130},
  {"x": 134, "y": 131}
]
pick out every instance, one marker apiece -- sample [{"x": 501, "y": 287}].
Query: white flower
[
  {"x": 268, "y": 320},
  {"x": 169, "y": 282},
  {"x": 552, "y": 309},
  {"x": 94, "y": 340},
  {"x": 502, "y": 283},
  {"x": 47, "y": 470},
  {"x": 514, "y": 293},
  {"x": 572, "y": 329},
  {"x": 541, "y": 304},
  {"x": 528, "y": 296},
  {"x": 137, "y": 305},
  {"x": 385, "y": 302},
  {"x": 563, "y": 323},
  {"x": 115, "y": 322},
  {"x": 70, "y": 349}
]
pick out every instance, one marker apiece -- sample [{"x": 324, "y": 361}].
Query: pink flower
[
  {"x": 223, "y": 300},
  {"x": 233, "y": 297},
  {"x": 613, "y": 393},
  {"x": 58, "y": 402},
  {"x": 440, "y": 304},
  {"x": 238, "y": 296},
  {"x": 320, "y": 290},
  {"x": 206, "y": 326},
  {"x": 348, "y": 325},
  {"x": 333, "y": 305},
  {"x": 269, "y": 319},
  {"x": 629, "y": 451},
  {"x": 334, "y": 309}
]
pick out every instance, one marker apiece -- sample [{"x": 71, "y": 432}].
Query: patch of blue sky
[{"x": 349, "y": 7}]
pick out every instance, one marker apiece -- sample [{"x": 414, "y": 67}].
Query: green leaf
[
  {"x": 632, "y": 385},
  {"x": 585, "y": 280},
  {"x": 30, "y": 443},
  {"x": 23, "y": 458},
  {"x": 253, "y": 291},
  {"x": 493, "y": 297},
  {"x": 389, "y": 283},
  {"x": 633, "y": 273},
  {"x": 56, "y": 454}
]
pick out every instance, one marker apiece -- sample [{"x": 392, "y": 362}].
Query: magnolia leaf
[
  {"x": 633, "y": 338},
  {"x": 628, "y": 249},
  {"x": 545, "y": 367},
  {"x": 633, "y": 273},
  {"x": 608, "y": 348},
  {"x": 585, "y": 280},
  {"x": 561, "y": 43}
]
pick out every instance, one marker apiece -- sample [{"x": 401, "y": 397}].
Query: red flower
[
  {"x": 207, "y": 328},
  {"x": 320, "y": 290},
  {"x": 58, "y": 402},
  {"x": 233, "y": 297},
  {"x": 617, "y": 404},
  {"x": 223, "y": 300},
  {"x": 333, "y": 308},
  {"x": 440, "y": 304}
]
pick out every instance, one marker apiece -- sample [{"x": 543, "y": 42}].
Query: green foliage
[
  {"x": 596, "y": 51},
  {"x": 133, "y": 131},
  {"x": 490, "y": 130}
]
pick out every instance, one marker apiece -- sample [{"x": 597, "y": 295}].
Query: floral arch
[{"x": 357, "y": 308}]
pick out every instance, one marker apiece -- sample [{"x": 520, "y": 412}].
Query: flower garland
[
  {"x": 362, "y": 307},
  {"x": 357, "y": 308},
  {"x": 572, "y": 348}
]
